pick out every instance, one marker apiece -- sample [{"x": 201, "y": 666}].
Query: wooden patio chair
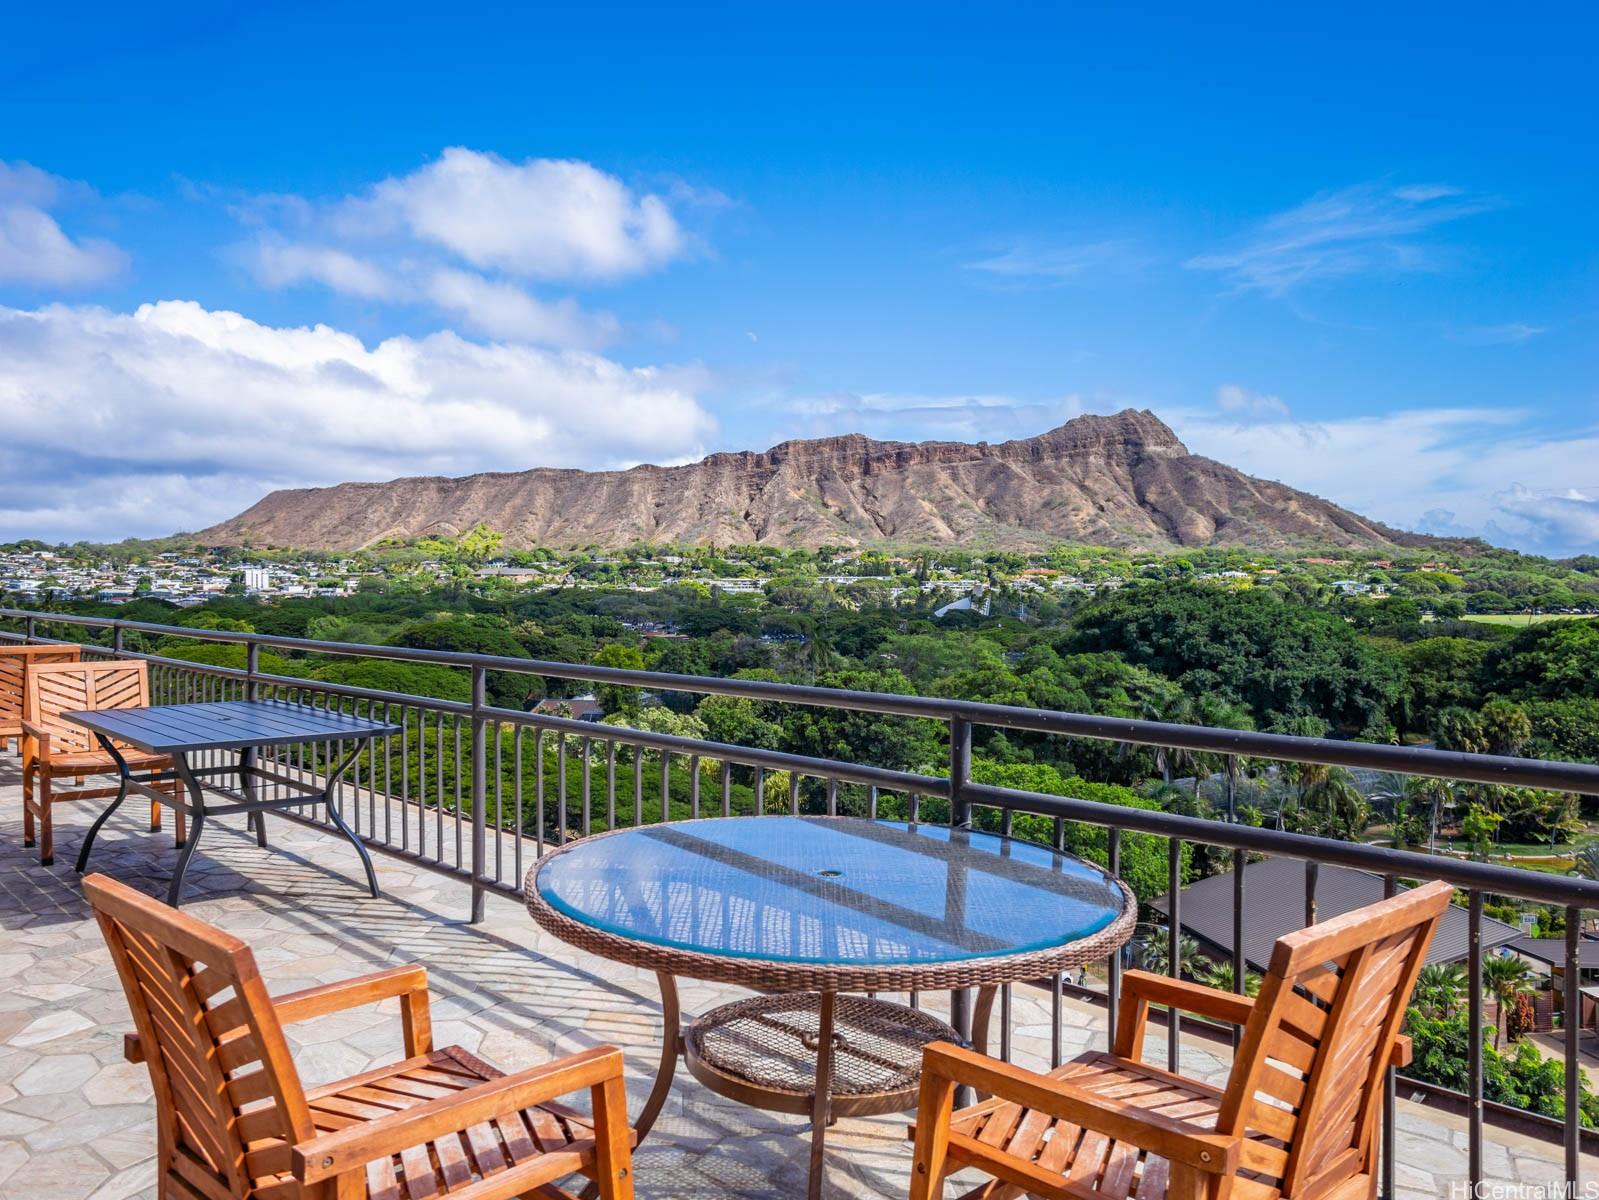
[
  {"x": 14, "y": 664},
  {"x": 53, "y": 748},
  {"x": 234, "y": 1122},
  {"x": 1297, "y": 1117}
]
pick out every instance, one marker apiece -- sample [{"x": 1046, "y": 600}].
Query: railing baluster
[
  {"x": 1573, "y": 1029},
  {"x": 560, "y": 788},
  {"x": 793, "y": 793},
  {"x": 1474, "y": 1045},
  {"x": 1240, "y": 963},
  {"x": 638, "y": 786},
  {"x": 694, "y": 786},
  {"x": 1390, "y": 886},
  {"x": 480, "y": 797},
  {"x": 760, "y": 791},
  {"x": 586, "y": 824},
  {"x": 1056, "y": 1050},
  {"x": 516, "y": 793},
  {"x": 1004, "y": 1022},
  {"x": 1174, "y": 948},
  {"x": 832, "y": 797},
  {"x": 1312, "y": 874},
  {"x": 727, "y": 788},
  {"x": 1113, "y": 965},
  {"x": 666, "y": 785},
  {"x": 538, "y": 791},
  {"x": 610, "y": 785}
]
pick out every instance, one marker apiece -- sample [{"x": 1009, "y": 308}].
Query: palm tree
[
  {"x": 1504, "y": 977},
  {"x": 1219, "y": 975},
  {"x": 1340, "y": 807},
  {"x": 1440, "y": 989},
  {"x": 1586, "y": 861}
]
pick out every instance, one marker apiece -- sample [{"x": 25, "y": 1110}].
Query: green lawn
[{"x": 1520, "y": 619}]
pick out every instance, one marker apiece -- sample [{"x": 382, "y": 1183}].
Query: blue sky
[{"x": 246, "y": 248}]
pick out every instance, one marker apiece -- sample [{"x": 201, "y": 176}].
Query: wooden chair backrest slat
[
  {"x": 1309, "y": 1069},
  {"x": 228, "y": 1096},
  {"x": 56, "y": 688},
  {"x": 16, "y": 663}
]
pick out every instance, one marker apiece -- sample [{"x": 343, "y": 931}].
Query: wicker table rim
[{"x": 779, "y": 975}]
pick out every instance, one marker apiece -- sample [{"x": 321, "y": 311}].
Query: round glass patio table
[{"x": 824, "y": 905}]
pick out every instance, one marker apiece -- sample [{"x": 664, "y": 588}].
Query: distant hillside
[{"x": 1123, "y": 480}]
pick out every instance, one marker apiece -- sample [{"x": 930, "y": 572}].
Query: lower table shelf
[{"x": 762, "y": 1052}]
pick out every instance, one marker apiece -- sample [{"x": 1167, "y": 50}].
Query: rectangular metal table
[{"x": 246, "y": 726}]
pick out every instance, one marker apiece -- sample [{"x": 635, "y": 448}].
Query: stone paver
[{"x": 76, "y": 1121}]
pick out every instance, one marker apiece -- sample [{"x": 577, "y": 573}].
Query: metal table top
[{"x": 226, "y": 725}]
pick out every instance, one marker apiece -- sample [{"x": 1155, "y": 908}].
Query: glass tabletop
[{"x": 829, "y": 890}]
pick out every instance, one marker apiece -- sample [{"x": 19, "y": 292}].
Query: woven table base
[{"x": 762, "y": 1052}]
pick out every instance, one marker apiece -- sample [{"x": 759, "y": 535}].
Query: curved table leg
[
  {"x": 328, "y": 802},
  {"x": 981, "y": 1016},
  {"x": 186, "y": 777},
  {"x": 671, "y": 1047},
  {"x": 110, "y": 748}
]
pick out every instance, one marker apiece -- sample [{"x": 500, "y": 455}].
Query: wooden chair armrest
[
  {"x": 332, "y": 1154},
  {"x": 40, "y": 736},
  {"x": 1172, "y": 1138},
  {"x": 410, "y": 983},
  {"x": 1144, "y": 988},
  {"x": 1191, "y": 997}
]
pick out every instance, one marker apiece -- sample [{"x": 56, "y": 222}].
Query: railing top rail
[
  {"x": 1379, "y": 860},
  {"x": 1411, "y": 760}
]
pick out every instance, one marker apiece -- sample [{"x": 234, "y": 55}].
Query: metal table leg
[
  {"x": 257, "y": 819},
  {"x": 671, "y": 1048},
  {"x": 124, "y": 776},
  {"x": 821, "y": 1103},
  {"x": 197, "y": 811},
  {"x": 338, "y": 822}
]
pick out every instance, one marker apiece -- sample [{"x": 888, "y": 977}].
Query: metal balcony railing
[{"x": 477, "y": 792}]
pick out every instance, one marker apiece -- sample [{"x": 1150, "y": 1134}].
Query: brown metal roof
[
  {"x": 1553, "y": 951},
  {"x": 1274, "y": 905}
]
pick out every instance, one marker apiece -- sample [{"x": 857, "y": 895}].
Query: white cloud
[
  {"x": 33, "y": 248},
  {"x": 504, "y": 310},
  {"x": 543, "y": 218},
  {"x": 1028, "y": 262},
  {"x": 1512, "y": 333},
  {"x": 1355, "y": 230},
  {"x": 278, "y": 263},
  {"x": 409, "y": 240},
  {"x": 899, "y": 416},
  {"x": 1448, "y": 471},
  {"x": 1231, "y": 398},
  {"x": 175, "y": 416},
  {"x": 1567, "y": 520}
]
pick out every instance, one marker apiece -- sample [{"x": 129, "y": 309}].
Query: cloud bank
[{"x": 175, "y": 415}]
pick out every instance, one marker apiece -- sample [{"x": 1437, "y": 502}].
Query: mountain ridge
[{"x": 1119, "y": 480}]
